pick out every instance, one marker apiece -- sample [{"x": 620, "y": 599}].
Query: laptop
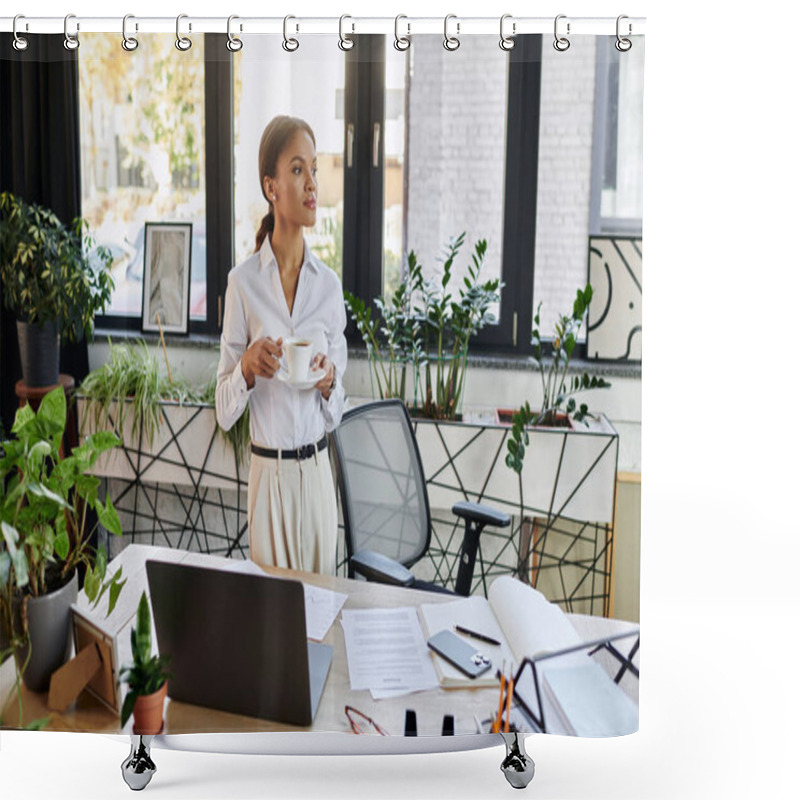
[{"x": 237, "y": 642}]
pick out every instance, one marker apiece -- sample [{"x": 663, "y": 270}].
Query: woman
[{"x": 283, "y": 291}]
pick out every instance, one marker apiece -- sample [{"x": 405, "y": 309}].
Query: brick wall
[
  {"x": 456, "y": 158},
  {"x": 456, "y": 147}
]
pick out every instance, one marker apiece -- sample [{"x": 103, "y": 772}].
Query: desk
[{"x": 87, "y": 714}]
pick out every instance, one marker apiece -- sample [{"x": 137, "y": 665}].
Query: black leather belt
[{"x": 306, "y": 451}]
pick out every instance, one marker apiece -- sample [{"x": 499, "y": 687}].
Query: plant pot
[
  {"x": 504, "y": 416},
  {"x": 39, "y": 353},
  {"x": 49, "y": 634},
  {"x": 148, "y": 713}
]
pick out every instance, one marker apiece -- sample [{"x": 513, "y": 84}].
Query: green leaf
[
  {"x": 52, "y": 414},
  {"x": 91, "y": 584},
  {"x": 114, "y": 590},
  {"x": 5, "y": 568},
  {"x": 40, "y": 490},
  {"x": 17, "y": 555},
  {"x": 38, "y": 724},
  {"x": 87, "y": 486},
  {"x": 127, "y": 707},
  {"x": 108, "y": 517},
  {"x": 103, "y": 440},
  {"x": 24, "y": 417},
  {"x": 143, "y": 630},
  {"x": 61, "y": 545}
]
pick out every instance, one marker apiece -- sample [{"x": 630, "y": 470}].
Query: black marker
[{"x": 481, "y": 637}]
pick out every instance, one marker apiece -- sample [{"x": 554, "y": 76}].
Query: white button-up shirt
[{"x": 281, "y": 416}]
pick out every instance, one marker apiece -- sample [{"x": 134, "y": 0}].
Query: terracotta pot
[{"x": 148, "y": 713}]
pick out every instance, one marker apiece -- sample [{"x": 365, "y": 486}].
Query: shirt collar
[{"x": 267, "y": 256}]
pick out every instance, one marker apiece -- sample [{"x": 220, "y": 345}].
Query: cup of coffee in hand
[{"x": 298, "y": 358}]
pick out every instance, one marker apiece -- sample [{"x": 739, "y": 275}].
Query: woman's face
[{"x": 293, "y": 189}]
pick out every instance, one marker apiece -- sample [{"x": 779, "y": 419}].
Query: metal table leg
[
  {"x": 517, "y": 766},
  {"x": 138, "y": 768}
]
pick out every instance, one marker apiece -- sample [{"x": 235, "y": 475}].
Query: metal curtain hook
[
  {"x": 623, "y": 45},
  {"x": 561, "y": 43},
  {"x": 401, "y": 42},
  {"x": 20, "y": 42},
  {"x": 71, "y": 42},
  {"x": 507, "y": 42},
  {"x": 234, "y": 43},
  {"x": 289, "y": 44},
  {"x": 129, "y": 43},
  {"x": 451, "y": 42},
  {"x": 344, "y": 42},
  {"x": 183, "y": 43}
]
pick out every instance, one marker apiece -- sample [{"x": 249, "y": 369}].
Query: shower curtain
[{"x": 516, "y": 166}]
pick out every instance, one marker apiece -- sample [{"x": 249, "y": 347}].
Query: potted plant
[
  {"x": 146, "y": 678},
  {"x": 49, "y": 283},
  {"x": 557, "y": 389},
  {"x": 428, "y": 328},
  {"x": 129, "y": 392},
  {"x": 46, "y": 533}
]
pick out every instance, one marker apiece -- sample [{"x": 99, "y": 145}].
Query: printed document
[{"x": 386, "y": 651}]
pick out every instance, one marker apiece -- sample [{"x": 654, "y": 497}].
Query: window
[
  {"x": 617, "y": 151},
  {"x": 143, "y": 155},
  {"x": 534, "y": 150},
  {"x": 311, "y": 88}
]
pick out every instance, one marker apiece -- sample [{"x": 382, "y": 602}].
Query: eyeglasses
[{"x": 361, "y": 723}]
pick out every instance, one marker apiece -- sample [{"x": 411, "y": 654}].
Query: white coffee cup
[{"x": 298, "y": 358}]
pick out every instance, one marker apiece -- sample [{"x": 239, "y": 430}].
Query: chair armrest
[
  {"x": 481, "y": 513},
  {"x": 376, "y": 567}
]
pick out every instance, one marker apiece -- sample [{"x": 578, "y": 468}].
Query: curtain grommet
[
  {"x": 401, "y": 43},
  {"x": 289, "y": 44},
  {"x": 561, "y": 43},
  {"x": 451, "y": 43},
  {"x": 623, "y": 44},
  {"x": 345, "y": 43},
  {"x": 234, "y": 43},
  {"x": 129, "y": 43},
  {"x": 20, "y": 43},
  {"x": 183, "y": 43},
  {"x": 507, "y": 43},
  {"x": 71, "y": 42}
]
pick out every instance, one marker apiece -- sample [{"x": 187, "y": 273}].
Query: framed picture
[{"x": 167, "y": 263}]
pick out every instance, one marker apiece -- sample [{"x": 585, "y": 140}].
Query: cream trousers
[{"x": 292, "y": 514}]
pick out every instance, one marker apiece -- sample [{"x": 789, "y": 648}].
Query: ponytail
[{"x": 267, "y": 226}]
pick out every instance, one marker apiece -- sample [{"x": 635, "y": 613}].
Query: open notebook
[{"x": 579, "y": 696}]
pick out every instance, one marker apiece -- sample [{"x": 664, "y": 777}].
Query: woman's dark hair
[{"x": 276, "y": 136}]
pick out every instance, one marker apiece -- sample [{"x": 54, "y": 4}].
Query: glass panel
[
  {"x": 456, "y": 151},
  {"x": 269, "y": 81},
  {"x": 591, "y": 107},
  {"x": 621, "y": 196},
  {"x": 394, "y": 166},
  {"x": 143, "y": 154}
]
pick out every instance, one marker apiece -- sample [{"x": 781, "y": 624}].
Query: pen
[{"x": 480, "y": 636}]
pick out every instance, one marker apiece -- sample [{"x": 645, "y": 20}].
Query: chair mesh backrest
[{"x": 384, "y": 498}]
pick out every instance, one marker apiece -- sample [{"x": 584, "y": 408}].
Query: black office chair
[{"x": 387, "y": 520}]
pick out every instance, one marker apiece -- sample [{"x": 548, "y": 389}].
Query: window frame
[{"x": 218, "y": 140}]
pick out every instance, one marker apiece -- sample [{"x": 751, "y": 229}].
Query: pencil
[
  {"x": 509, "y": 695},
  {"x": 497, "y": 722}
]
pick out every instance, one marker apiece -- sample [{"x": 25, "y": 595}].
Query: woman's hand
[
  {"x": 325, "y": 384},
  {"x": 262, "y": 358}
]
